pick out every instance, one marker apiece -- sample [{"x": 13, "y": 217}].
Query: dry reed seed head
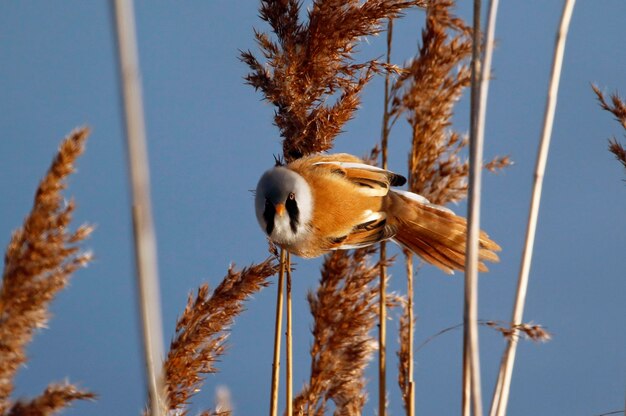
[
  {"x": 617, "y": 106},
  {"x": 309, "y": 72},
  {"x": 345, "y": 310},
  {"x": 425, "y": 94},
  {"x": 38, "y": 262},
  {"x": 395, "y": 300},
  {"x": 534, "y": 332},
  {"x": 52, "y": 400},
  {"x": 498, "y": 163},
  {"x": 202, "y": 330},
  {"x": 618, "y": 150},
  {"x": 618, "y": 109}
]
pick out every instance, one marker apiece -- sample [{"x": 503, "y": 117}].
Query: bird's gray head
[{"x": 283, "y": 205}]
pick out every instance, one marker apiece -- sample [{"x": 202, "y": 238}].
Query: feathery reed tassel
[
  {"x": 618, "y": 109},
  {"x": 38, "y": 263},
  {"x": 503, "y": 384},
  {"x": 345, "y": 312},
  {"x": 425, "y": 93},
  {"x": 308, "y": 114},
  {"x": 202, "y": 330},
  {"x": 55, "y": 398}
]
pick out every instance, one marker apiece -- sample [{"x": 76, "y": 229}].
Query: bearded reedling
[{"x": 324, "y": 202}]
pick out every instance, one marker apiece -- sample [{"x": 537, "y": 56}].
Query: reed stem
[
  {"x": 471, "y": 356},
  {"x": 382, "y": 334},
  {"x": 289, "y": 342},
  {"x": 411, "y": 329},
  {"x": 277, "y": 336},
  {"x": 143, "y": 228},
  {"x": 503, "y": 385},
  {"x": 382, "y": 310}
]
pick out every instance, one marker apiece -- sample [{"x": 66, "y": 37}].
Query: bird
[{"x": 325, "y": 202}]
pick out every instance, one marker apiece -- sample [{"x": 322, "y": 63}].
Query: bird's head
[{"x": 284, "y": 205}]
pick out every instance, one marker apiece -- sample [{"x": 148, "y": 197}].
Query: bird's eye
[
  {"x": 292, "y": 196},
  {"x": 267, "y": 202}
]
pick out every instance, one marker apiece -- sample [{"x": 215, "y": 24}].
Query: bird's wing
[
  {"x": 372, "y": 179},
  {"x": 365, "y": 234}
]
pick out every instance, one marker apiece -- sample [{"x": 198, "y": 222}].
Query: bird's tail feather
[{"x": 436, "y": 234}]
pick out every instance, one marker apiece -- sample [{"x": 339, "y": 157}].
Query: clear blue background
[{"x": 211, "y": 136}]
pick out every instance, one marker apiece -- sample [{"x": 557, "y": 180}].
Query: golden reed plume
[{"x": 39, "y": 261}]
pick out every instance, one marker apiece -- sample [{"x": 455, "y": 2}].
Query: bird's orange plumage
[{"x": 354, "y": 206}]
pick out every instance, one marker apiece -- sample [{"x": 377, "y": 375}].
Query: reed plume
[
  {"x": 55, "y": 398},
  {"x": 202, "y": 330},
  {"x": 531, "y": 331},
  {"x": 41, "y": 257},
  {"x": 345, "y": 311},
  {"x": 425, "y": 94},
  {"x": 310, "y": 73},
  {"x": 617, "y": 107}
]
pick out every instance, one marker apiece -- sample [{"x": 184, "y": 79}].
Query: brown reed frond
[
  {"x": 425, "y": 93},
  {"x": 309, "y": 72},
  {"x": 532, "y": 331},
  {"x": 51, "y": 401},
  {"x": 202, "y": 330},
  {"x": 39, "y": 260},
  {"x": 498, "y": 163},
  {"x": 618, "y": 109},
  {"x": 345, "y": 311},
  {"x": 618, "y": 150}
]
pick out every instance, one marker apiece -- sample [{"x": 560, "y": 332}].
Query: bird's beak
[{"x": 280, "y": 209}]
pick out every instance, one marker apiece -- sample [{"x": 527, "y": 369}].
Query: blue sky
[{"x": 210, "y": 138}]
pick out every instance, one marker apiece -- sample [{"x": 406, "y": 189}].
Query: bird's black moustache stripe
[
  {"x": 294, "y": 213},
  {"x": 268, "y": 215}
]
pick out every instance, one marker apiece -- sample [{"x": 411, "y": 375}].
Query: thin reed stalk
[
  {"x": 277, "y": 335},
  {"x": 382, "y": 333},
  {"x": 503, "y": 385},
  {"x": 382, "y": 308},
  {"x": 471, "y": 356},
  {"x": 289, "y": 343},
  {"x": 144, "y": 235},
  {"x": 384, "y": 140},
  {"x": 480, "y": 90},
  {"x": 410, "y": 401}
]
